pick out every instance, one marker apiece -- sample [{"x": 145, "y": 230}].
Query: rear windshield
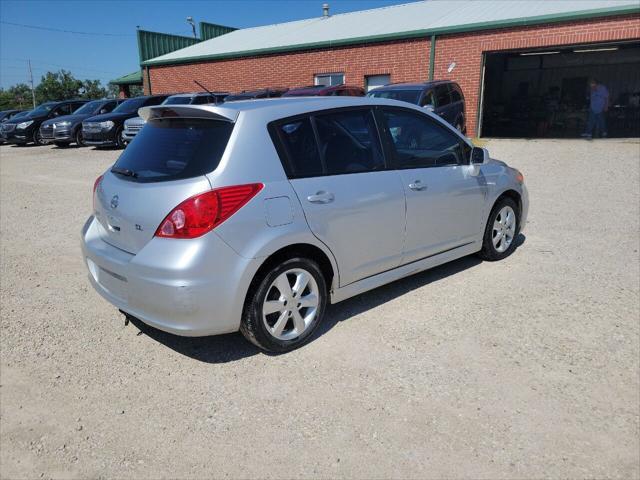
[
  {"x": 174, "y": 148},
  {"x": 411, "y": 96},
  {"x": 131, "y": 105},
  {"x": 177, "y": 101}
]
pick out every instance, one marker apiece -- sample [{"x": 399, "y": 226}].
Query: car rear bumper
[{"x": 185, "y": 287}]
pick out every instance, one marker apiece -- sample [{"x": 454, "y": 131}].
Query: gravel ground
[{"x": 525, "y": 368}]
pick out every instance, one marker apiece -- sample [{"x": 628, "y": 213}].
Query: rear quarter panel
[{"x": 251, "y": 157}]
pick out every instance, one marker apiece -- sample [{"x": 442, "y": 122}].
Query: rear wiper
[{"x": 124, "y": 171}]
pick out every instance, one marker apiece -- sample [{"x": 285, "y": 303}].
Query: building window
[
  {"x": 375, "y": 81},
  {"x": 329, "y": 79}
]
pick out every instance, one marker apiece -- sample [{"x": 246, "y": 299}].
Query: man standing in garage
[{"x": 598, "y": 105}]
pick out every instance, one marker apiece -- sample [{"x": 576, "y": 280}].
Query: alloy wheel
[
  {"x": 37, "y": 138},
  {"x": 504, "y": 229},
  {"x": 291, "y": 304}
]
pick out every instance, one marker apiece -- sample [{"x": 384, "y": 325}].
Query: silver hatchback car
[{"x": 254, "y": 215}]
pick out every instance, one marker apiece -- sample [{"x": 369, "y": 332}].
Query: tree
[
  {"x": 61, "y": 85},
  {"x": 93, "y": 89},
  {"x": 17, "y": 96}
]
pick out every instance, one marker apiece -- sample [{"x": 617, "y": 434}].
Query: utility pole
[{"x": 33, "y": 93}]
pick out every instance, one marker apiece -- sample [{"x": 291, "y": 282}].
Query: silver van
[{"x": 255, "y": 215}]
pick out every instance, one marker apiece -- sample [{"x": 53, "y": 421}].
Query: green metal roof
[
  {"x": 212, "y": 30},
  {"x": 411, "y": 20},
  {"x": 134, "y": 78},
  {"x": 154, "y": 44}
]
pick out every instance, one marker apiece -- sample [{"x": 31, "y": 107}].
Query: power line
[
  {"x": 50, "y": 29},
  {"x": 104, "y": 34},
  {"x": 66, "y": 67}
]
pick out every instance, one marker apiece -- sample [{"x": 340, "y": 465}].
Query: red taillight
[
  {"x": 95, "y": 187},
  {"x": 204, "y": 212}
]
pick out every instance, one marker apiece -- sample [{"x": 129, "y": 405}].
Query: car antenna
[{"x": 203, "y": 87}]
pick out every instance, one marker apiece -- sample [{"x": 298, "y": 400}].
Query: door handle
[
  {"x": 321, "y": 197},
  {"x": 417, "y": 186}
]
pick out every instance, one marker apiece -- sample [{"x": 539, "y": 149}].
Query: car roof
[
  {"x": 282, "y": 107},
  {"x": 320, "y": 88},
  {"x": 412, "y": 85},
  {"x": 189, "y": 94}
]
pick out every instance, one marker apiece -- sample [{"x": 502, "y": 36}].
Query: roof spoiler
[{"x": 189, "y": 111}]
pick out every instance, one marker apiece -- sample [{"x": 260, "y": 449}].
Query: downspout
[
  {"x": 432, "y": 57},
  {"x": 148, "y": 79}
]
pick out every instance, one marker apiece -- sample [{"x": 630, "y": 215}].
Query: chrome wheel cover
[
  {"x": 504, "y": 229},
  {"x": 291, "y": 304}
]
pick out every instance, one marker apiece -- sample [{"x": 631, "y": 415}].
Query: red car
[{"x": 324, "y": 91}]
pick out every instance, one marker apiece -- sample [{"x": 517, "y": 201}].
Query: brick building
[{"x": 511, "y": 58}]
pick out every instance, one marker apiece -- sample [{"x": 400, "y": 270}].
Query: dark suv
[
  {"x": 27, "y": 129},
  {"x": 67, "y": 129},
  {"x": 443, "y": 97},
  {"x": 325, "y": 91},
  {"x": 106, "y": 130}
]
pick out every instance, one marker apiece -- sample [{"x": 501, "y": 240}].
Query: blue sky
[{"x": 105, "y": 57}]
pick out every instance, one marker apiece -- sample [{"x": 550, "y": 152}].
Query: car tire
[
  {"x": 501, "y": 231},
  {"x": 61, "y": 144},
  {"x": 37, "y": 138},
  {"x": 79, "y": 138},
  {"x": 277, "y": 318},
  {"x": 119, "y": 140}
]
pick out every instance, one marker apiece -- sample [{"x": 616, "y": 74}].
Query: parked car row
[
  {"x": 115, "y": 123},
  {"x": 26, "y": 129}
]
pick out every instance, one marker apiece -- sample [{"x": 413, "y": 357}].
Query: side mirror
[
  {"x": 103, "y": 110},
  {"x": 430, "y": 108},
  {"x": 479, "y": 156}
]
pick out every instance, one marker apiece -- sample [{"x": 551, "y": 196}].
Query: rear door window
[
  {"x": 442, "y": 95},
  {"x": 174, "y": 148},
  {"x": 349, "y": 142},
  {"x": 301, "y": 154},
  {"x": 455, "y": 94},
  {"x": 107, "y": 107},
  {"x": 428, "y": 99},
  {"x": 62, "y": 110}
]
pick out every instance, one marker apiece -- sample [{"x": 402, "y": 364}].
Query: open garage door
[{"x": 545, "y": 92}]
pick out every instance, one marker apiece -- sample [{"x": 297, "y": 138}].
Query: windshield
[
  {"x": 411, "y": 96},
  {"x": 130, "y": 106},
  {"x": 177, "y": 101},
  {"x": 174, "y": 148},
  {"x": 88, "y": 107},
  {"x": 42, "y": 109}
]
